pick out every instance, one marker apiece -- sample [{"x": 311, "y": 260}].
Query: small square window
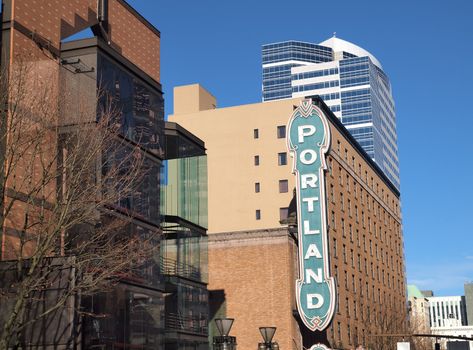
[
  {"x": 283, "y": 186},
  {"x": 283, "y": 212},
  {"x": 256, "y": 133},
  {"x": 282, "y": 158},
  {"x": 257, "y": 187},
  {"x": 281, "y": 131},
  {"x": 258, "y": 214},
  {"x": 256, "y": 160}
]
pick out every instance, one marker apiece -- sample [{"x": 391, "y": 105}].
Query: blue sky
[{"x": 425, "y": 47}]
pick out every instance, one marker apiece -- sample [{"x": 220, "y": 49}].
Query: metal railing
[
  {"x": 192, "y": 324},
  {"x": 171, "y": 267}
]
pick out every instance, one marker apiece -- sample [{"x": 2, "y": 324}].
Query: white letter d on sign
[{"x": 310, "y": 301}]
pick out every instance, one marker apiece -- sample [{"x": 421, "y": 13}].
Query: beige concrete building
[
  {"x": 253, "y": 258},
  {"x": 419, "y": 317}
]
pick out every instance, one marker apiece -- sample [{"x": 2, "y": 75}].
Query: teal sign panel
[{"x": 308, "y": 140}]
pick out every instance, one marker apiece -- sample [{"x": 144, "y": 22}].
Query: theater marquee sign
[{"x": 308, "y": 141}]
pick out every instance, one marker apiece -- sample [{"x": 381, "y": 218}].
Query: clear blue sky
[{"x": 425, "y": 47}]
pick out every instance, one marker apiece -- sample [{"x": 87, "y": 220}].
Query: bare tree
[
  {"x": 379, "y": 324},
  {"x": 66, "y": 176}
]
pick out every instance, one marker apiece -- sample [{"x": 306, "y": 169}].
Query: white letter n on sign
[{"x": 311, "y": 274}]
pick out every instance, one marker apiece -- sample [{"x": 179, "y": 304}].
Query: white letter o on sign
[{"x": 310, "y": 159}]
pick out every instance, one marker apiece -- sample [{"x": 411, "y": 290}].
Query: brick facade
[{"x": 49, "y": 22}]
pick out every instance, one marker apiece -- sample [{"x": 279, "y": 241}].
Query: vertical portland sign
[{"x": 308, "y": 140}]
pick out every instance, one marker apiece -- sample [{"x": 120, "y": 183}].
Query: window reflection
[
  {"x": 141, "y": 109},
  {"x": 127, "y": 318}
]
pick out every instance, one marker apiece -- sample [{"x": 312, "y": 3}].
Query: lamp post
[
  {"x": 224, "y": 341},
  {"x": 268, "y": 334}
]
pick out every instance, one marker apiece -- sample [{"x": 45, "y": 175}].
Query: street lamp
[
  {"x": 268, "y": 334},
  {"x": 224, "y": 341}
]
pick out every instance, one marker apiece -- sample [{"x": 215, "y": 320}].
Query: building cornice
[{"x": 252, "y": 237}]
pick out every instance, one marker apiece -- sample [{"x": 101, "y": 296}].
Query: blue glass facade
[
  {"x": 352, "y": 84},
  {"x": 277, "y": 77}
]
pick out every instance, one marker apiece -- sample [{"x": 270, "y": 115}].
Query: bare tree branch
[{"x": 67, "y": 176}]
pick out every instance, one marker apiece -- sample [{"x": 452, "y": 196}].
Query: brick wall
[
  {"x": 256, "y": 271},
  {"x": 55, "y": 20}
]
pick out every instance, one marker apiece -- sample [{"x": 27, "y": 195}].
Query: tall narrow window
[
  {"x": 283, "y": 186},
  {"x": 281, "y": 131},
  {"x": 257, "y": 187},
  {"x": 256, "y": 160},
  {"x": 258, "y": 214},
  {"x": 256, "y": 133},
  {"x": 282, "y": 158}
]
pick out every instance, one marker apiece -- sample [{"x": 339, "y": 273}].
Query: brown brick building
[
  {"x": 162, "y": 302},
  {"x": 253, "y": 259}
]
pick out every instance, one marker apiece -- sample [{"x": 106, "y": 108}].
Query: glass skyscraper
[{"x": 352, "y": 83}]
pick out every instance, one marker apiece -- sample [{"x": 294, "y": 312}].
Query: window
[
  {"x": 282, "y": 158},
  {"x": 334, "y": 247},
  {"x": 349, "y": 334},
  {"x": 281, "y": 131},
  {"x": 257, "y": 187},
  {"x": 342, "y": 204},
  {"x": 256, "y": 133},
  {"x": 283, "y": 212},
  {"x": 283, "y": 186},
  {"x": 256, "y": 160},
  {"x": 258, "y": 214}
]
